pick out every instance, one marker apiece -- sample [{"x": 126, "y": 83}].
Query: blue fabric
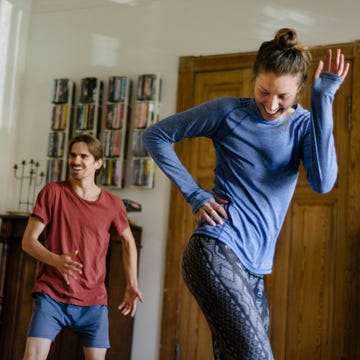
[
  {"x": 257, "y": 164},
  {"x": 49, "y": 317}
]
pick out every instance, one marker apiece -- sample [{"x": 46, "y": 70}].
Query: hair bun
[{"x": 286, "y": 39}]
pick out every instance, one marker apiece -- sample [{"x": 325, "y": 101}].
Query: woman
[{"x": 259, "y": 143}]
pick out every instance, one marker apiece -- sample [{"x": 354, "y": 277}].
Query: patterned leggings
[{"x": 232, "y": 299}]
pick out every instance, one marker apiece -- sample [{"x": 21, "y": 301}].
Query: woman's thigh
[{"x": 232, "y": 300}]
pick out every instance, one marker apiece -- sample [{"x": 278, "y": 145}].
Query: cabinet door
[
  {"x": 121, "y": 327},
  {"x": 17, "y": 279}
]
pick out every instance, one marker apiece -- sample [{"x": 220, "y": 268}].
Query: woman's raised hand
[{"x": 336, "y": 66}]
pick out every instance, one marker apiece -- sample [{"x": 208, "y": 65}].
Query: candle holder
[{"x": 29, "y": 181}]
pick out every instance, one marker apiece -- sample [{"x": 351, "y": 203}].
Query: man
[{"x": 69, "y": 291}]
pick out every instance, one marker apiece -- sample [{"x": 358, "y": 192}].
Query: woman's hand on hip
[{"x": 212, "y": 212}]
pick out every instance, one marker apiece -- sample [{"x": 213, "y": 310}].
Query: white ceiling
[
  {"x": 40, "y": 6},
  {"x": 318, "y": 21}
]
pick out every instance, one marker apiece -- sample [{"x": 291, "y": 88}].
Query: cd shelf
[
  {"x": 146, "y": 112},
  {"x": 89, "y": 107},
  {"x": 62, "y": 106},
  {"x": 115, "y": 130}
]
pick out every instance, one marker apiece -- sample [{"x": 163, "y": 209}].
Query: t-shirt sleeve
[
  {"x": 121, "y": 221},
  {"x": 42, "y": 208}
]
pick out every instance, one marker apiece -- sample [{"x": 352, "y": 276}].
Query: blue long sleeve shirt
[{"x": 257, "y": 164}]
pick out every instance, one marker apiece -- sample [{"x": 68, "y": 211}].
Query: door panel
[{"x": 207, "y": 86}]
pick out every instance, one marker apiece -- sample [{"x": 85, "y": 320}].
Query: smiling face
[
  {"x": 275, "y": 94},
  {"x": 82, "y": 163}
]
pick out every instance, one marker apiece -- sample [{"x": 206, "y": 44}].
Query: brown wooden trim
[
  {"x": 353, "y": 322},
  {"x": 217, "y": 62}
]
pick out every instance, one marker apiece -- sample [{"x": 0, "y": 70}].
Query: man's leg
[
  {"x": 43, "y": 327},
  {"x": 37, "y": 348},
  {"x": 94, "y": 353},
  {"x": 91, "y": 323}
]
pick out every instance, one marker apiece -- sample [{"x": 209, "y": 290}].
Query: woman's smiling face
[{"x": 275, "y": 94}]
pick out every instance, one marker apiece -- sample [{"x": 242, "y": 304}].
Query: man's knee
[
  {"x": 94, "y": 353},
  {"x": 37, "y": 348}
]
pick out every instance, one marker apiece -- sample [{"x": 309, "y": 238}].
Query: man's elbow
[{"x": 24, "y": 245}]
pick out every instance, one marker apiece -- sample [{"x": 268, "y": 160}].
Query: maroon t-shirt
[{"x": 73, "y": 223}]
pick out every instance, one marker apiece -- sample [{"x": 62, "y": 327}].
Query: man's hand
[
  {"x": 68, "y": 267},
  {"x": 128, "y": 305}
]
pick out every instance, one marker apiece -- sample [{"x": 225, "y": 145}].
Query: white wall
[
  {"x": 78, "y": 38},
  {"x": 14, "y": 18}
]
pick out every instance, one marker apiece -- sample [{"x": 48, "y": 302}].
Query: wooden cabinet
[{"x": 18, "y": 271}]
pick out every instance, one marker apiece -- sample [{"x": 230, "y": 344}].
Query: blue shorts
[{"x": 90, "y": 323}]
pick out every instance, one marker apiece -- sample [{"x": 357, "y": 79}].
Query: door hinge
[{"x": 349, "y": 113}]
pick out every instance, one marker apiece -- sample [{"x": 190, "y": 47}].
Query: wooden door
[{"x": 310, "y": 293}]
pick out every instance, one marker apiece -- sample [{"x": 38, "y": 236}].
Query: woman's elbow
[{"x": 325, "y": 186}]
